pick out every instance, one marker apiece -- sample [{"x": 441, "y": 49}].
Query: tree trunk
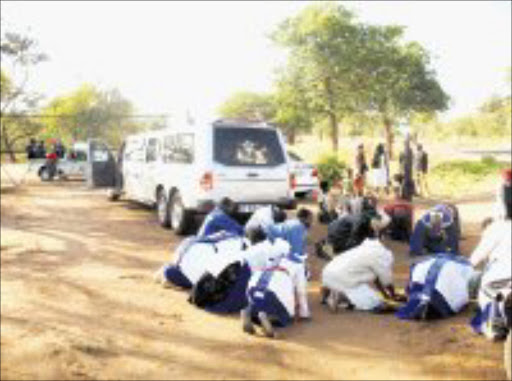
[
  {"x": 8, "y": 145},
  {"x": 332, "y": 114},
  {"x": 291, "y": 136},
  {"x": 388, "y": 128},
  {"x": 334, "y": 131}
]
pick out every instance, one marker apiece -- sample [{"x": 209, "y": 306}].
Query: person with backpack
[{"x": 421, "y": 169}]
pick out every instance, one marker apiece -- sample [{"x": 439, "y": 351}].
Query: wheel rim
[
  {"x": 177, "y": 212},
  {"x": 162, "y": 208},
  {"x": 45, "y": 175}
]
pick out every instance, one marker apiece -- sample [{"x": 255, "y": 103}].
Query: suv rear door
[{"x": 250, "y": 164}]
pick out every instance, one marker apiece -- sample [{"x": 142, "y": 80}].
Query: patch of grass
[{"x": 463, "y": 177}]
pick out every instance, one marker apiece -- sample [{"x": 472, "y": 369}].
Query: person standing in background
[
  {"x": 361, "y": 168},
  {"x": 380, "y": 169},
  {"x": 406, "y": 168},
  {"x": 421, "y": 167}
]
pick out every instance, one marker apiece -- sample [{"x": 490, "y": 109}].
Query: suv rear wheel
[
  {"x": 162, "y": 210},
  {"x": 180, "y": 218}
]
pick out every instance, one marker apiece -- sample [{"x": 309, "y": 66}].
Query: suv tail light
[
  {"x": 314, "y": 173},
  {"x": 206, "y": 182},
  {"x": 292, "y": 181}
]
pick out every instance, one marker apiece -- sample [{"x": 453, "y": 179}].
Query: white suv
[
  {"x": 304, "y": 176},
  {"x": 186, "y": 170}
]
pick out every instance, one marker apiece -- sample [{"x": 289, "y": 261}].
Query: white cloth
[
  {"x": 264, "y": 253},
  {"x": 452, "y": 281},
  {"x": 360, "y": 266},
  {"x": 263, "y": 217},
  {"x": 290, "y": 286},
  {"x": 495, "y": 244},
  {"x": 380, "y": 175}
]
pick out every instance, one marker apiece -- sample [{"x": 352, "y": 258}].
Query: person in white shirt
[
  {"x": 274, "y": 294},
  {"x": 264, "y": 217},
  {"x": 438, "y": 287},
  {"x": 495, "y": 251},
  {"x": 347, "y": 278}
]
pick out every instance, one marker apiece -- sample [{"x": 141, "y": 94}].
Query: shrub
[{"x": 330, "y": 168}]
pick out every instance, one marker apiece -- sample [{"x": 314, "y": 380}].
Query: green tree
[
  {"x": 321, "y": 39},
  {"x": 19, "y": 54},
  {"x": 292, "y": 105},
  {"x": 248, "y": 105},
  {"x": 395, "y": 78},
  {"x": 88, "y": 112}
]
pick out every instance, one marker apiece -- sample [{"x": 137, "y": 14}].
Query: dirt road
[{"x": 78, "y": 302}]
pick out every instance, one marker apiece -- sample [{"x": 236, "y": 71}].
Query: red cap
[{"x": 506, "y": 174}]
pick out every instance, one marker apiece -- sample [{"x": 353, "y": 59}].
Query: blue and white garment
[
  {"x": 442, "y": 241},
  {"x": 439, "y": 282},
  {"x": 277, "y": 289},
  {"x": 292, "y": 231},
  {"x": 195, "y": 256},
  {"x": 216, "y": 221},
  {"x": 490, "y": 314},
  {"x": 494, "y": 249},
  {"x": 263, "y": 217}
]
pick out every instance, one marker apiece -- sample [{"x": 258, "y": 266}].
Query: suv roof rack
[{"x": 253, "y": 122}]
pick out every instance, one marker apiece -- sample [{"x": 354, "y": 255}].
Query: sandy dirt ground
[{"x": 78, "y": 302}]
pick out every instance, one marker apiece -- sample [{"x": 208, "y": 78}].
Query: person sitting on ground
[
  {"x": 346, "y": 279},
  {"x": 221, "y": 218},
  {"x": 401, "y": 213},
  {"x": 350, "y": 229},
  {"x": 276, "y": 294},
  {"x": 438, "y": 231},
  {"x": 438, "y": 287},
  {"x": 264, "y": 217},
  {"x": 495, "y": 251}
]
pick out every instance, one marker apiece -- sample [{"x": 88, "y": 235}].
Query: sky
[{"x": 170, "y": 57}]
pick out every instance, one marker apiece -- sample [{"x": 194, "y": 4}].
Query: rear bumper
[{"x": 206, "y": 206}]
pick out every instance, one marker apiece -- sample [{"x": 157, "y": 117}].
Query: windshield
[{"x": 242, "y": 146}]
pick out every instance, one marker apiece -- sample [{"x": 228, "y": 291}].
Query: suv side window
[
  {"x": 152, "y": 150},
  {"x": 178, "y": 148}
]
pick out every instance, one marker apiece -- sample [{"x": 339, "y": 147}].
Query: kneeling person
[
  {"x": 438, "y": 287},
  {"x": 346, "y": 279},
  {"x": 274, "y": 293}
]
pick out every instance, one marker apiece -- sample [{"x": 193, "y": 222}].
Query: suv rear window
[{"x": 242, "y": 146}]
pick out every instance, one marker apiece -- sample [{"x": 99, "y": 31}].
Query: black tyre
[
  {"x": 45, "y": 174},
  {"x": 507, "y": 356},
  {"x": 113, "y": 194},
  {"x": 180, "y": 218},
  {"x": 162, "y": 210}
]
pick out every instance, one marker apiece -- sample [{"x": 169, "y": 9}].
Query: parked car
[
  {"x": 73, "y": 165},
  {"x": 184, "y": 171},
  {"x": 304, "y": 176}
]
